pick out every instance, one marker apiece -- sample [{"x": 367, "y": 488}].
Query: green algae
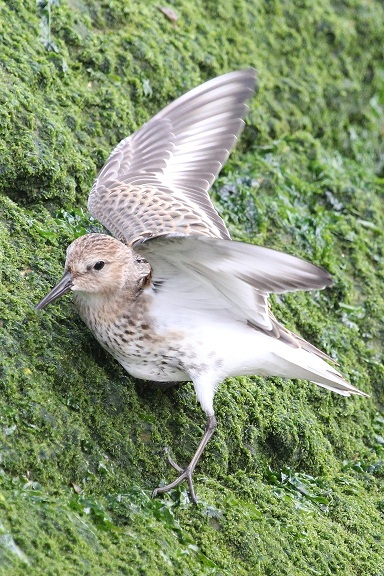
[{"x": 292, "y": 481}]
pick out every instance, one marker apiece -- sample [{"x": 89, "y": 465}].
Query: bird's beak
[{"x": 61, "y": 288}]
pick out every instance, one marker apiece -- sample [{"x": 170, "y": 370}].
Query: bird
[{"x": 169, "y": 294}]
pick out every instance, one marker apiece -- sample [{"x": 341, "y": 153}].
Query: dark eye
[{"x": 99, "y": 265}]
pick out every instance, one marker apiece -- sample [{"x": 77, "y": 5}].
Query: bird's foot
[{"x": 185, "y": 474}]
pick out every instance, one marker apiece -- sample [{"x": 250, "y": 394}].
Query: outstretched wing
[
  {"x": 156, "y": 181},
  {"x": 207, "y": 274}
]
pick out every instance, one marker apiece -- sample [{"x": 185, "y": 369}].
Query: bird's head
[{"x": 96, "y": 264}]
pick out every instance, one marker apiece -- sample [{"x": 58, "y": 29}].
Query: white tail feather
[{"x": 299, "y": 363}]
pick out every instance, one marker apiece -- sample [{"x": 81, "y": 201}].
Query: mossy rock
[{"x": 292, "y": 483}]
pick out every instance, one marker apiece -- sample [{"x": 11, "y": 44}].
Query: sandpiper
[{"x": 171, "y": 296}]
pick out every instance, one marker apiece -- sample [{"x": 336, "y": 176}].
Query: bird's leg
[{"x": 187, "y": 473}]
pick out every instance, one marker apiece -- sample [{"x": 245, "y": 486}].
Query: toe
[{"x": 174, "y": 465}]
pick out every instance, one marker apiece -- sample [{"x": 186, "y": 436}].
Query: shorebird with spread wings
[{"x": 170, "y": 295}]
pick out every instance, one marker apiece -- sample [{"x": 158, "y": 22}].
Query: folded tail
[{"x": 298, "y": 363}]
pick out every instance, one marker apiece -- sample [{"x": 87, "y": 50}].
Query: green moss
[{"x": 292, "y": 482}]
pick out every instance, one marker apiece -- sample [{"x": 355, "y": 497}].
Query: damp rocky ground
[{"x": 292, "y": 483}]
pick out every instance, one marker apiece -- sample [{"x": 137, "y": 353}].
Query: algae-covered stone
[{"x": 292, "y": 483}]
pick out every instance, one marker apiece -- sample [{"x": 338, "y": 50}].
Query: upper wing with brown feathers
[{"x": 156, "y": 181}]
